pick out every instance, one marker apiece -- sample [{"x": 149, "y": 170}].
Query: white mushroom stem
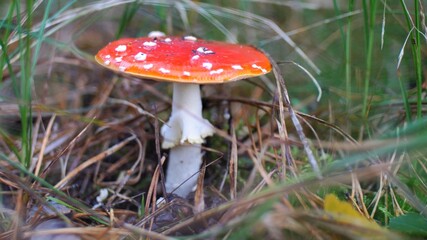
[
  {"x": 183, "y": 133},
  {"x": 183, "y": 169}
]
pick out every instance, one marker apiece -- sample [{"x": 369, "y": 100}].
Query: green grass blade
[
  {"x": 127, "y": 16},
  {"x": 415, "y": 48},
  {"x": 418, "y": 62},
  {"x": 347, "y": 47},
  {"x": 24, "y": 86},
  {"x": 369, "y": 53}
]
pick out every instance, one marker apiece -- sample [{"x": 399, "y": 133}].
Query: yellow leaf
[{"x": 343, "y": 213}]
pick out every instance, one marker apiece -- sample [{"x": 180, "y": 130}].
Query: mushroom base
[{"x": 183, "y": 169}]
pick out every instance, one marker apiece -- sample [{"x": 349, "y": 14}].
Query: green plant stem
[
  {"x": 4, "y": 57},
  {"x": 418, "y": 63},
  {"x": 348, "y": 57},
  {"x": 369, "y": 52},
  {"x": 23, "y": 88},
  {"x": 40, "y": 35},
  {"x": 337, "y": 13},
  {"x": 416, "y": 50}
]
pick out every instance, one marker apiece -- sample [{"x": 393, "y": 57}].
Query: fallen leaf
[{"x": 359, "y": 226}]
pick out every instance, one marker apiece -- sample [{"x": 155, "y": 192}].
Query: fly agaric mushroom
[{"x": 187, "y": 62}]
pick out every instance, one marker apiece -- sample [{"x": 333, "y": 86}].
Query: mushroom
[{"x": 187, "y": 62}]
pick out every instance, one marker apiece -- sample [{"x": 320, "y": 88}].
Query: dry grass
[{"x": 266, "y": 170}]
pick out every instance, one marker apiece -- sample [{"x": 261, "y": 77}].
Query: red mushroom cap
[{"x": 183, "y": 59}]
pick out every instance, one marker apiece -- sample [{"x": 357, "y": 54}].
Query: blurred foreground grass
[{"x": 69, "y": 129}]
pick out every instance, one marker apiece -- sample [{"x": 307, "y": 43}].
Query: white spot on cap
[
  {"x": 140, "y": 56},
  {"x": 259, "y": 67},
  {"x": 122, "y": 68},
  {"x": 207, "y": 65},
  {"x": 186, "y": 73},
  {"x": 200, "y": 49},
  {"x": 121, "y": 48},
  {"x": 107, "y": 62},
  {"x": 168, "y": 40},
  {"x": 190, "y": 38},
  {"x": 147, "y": 66},
  {"x": 218, "y": 71},
  {"x": 204, "y": 50},
  {"x": 195, "y": 57},
  {"x": 149, "y": 44},
  {"x": 107, "y": 56},
  {"x": 118, "y": 59},
  {"x": 164, "y": 70},
  {"x": 237, "y": 67},
  {"x": 154, "y": 34}
]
